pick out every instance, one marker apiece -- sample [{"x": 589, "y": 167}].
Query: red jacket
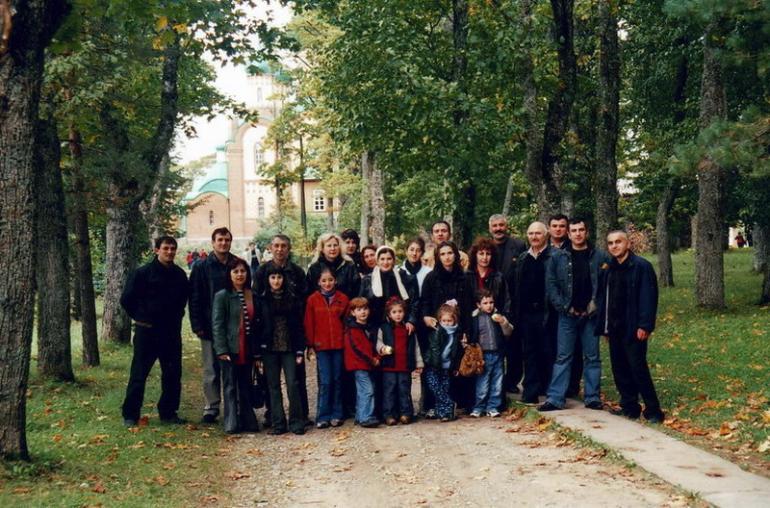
[
  {"x": 325, "y": 322},
  {"x": 359, "y": 347}
]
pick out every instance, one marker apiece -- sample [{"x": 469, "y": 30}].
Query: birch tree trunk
[
  {"x": 377, "y": 201},
  {"x": 366, "y": 171}
]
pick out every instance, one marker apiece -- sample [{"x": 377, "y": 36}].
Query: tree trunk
[
  {"x": 331, "y": 224},
  {"x": 122, "y": 216},
  {"x": 366, "y": 172},
  {"x": 765, "y": 298},
  {"x": 28, "y": 29},
  {"x": 302, "y": 204},
  {"x": 85, "y": 272},
  {"x": 377, "y": 201},
  {"x": 709, "y": 261},
  {"x": 76, "y": 312},
  {"x": 760, "y": 234},
  {"x": 665, "y": 266},
  {"x": 606, "y": 175},
  {"x": 542, "y": 146},
  {"x": 508, "y": 196},
  {"x": 54, "y": 358},
  {"x": 151, "y": 208}
]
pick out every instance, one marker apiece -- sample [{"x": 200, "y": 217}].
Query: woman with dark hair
[
  {"x": 448, "y": 284},
  {"x": 234, "y": 325},
  {"x": 387, "y": 281},
  {"x": 352, "y": 245},
  {"x": 368, "y": 260},
  {"x": 482, "y": 274},
  {"x": 329, "y": 254},
  {"x": 282, "y": 345}
]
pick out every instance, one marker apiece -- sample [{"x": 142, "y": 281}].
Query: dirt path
[{"x": 469, "y": 462}]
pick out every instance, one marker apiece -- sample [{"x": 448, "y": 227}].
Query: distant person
[
  {"x": 195, "y": 258},
  {"x": 252, "y": 257},
  {"x": 740, "y": 241},
  {"x": 628, "y": 303},
  {"x": 236, "y": 325},
  {"x": 208, "y": 277},
  {"x": 154, "y": 298},
  {"x": 189, "y": 259},
  {"x": 202, "y": 254}
]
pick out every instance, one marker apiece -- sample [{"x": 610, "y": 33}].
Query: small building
[{"x": 231, "y": 191}]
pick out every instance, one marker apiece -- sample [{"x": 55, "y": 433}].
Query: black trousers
[
  {"x": 302, "y": 382},
  {"x": 632, "y": 376},
  {"x": 348, "y": 394},
  {"x": 514, "y": 365},
  {"x": 236, "y": 391},
  {"x": 151, "y": 344},
  {"x": 397, "y": 394},
  {"x": 539, "y": 348},
  {"x": 275, "y": 363}
]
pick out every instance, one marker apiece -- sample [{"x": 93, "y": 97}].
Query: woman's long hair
[
  {"x": 480, "y": 244},
  {"x": 456, "y": 266}
]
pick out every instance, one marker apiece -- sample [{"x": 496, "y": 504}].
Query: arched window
[
  {"x": 259, "y": 157},
  {"x": 259, "y": 94},
  {"x": 211, "y": 217},
  {"x": 319, "y": 200},
  {"x": 261, "y": 207}
]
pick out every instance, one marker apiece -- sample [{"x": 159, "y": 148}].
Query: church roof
[{"x": 213, "y": 179}]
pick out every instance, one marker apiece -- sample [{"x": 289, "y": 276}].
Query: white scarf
[{"x": 377, "y": 283}]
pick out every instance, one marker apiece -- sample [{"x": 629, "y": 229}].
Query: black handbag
[{"x": 258, "y": 387}]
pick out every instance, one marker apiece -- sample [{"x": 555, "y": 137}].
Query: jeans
[
  {"x": 364, "y": 396},
  {"x": 329, "y": 385},
  {"x": 236, "y": 388},
  {"x": 489, "y": 384},
  {"x": 274, "y": 363},
  {"x": 397, "y": 394},
  {"x": 438, "y": 382},
  {"x": 572, "y": 328},
  {"x": 152, "y": 344},
  {"x": 211, "y": 379}
]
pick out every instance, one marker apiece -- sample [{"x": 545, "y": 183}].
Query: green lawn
[
  {"x": 83, "y": 456},
  {"x": 711, "y": 368}
]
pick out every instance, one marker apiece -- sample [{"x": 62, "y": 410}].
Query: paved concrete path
[{"x": 716, "y": 480}]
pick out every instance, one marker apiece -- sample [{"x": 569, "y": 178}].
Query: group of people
[{"x": 531, "y": 313}]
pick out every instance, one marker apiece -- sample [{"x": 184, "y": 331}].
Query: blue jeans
[
  {"x": 397, "y": 394},
  {"x": 329, "y": 385},
  {"x": 570, "y": 329},
  {"x": 489, "y": 385},
  {"x": 364, "y": 396}
]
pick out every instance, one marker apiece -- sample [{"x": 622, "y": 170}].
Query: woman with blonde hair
[{"x": 329, "y": 254}]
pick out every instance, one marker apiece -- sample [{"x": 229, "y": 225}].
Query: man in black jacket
[
  {"x": 207, "y": 278},
  {"x": 509, "y": 249},
  {"x": 154, "y": 297},
  {"x": 628, "y": 302}
]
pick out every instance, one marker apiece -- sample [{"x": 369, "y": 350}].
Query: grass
[
  {"x": 711, "y": 367},
  {"x": 83, "y": 456}
]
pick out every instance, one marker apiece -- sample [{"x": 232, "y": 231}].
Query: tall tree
[
  {"x": 709, "y": 260},
  {"x": 27, "y": 28},
  {"x": 52, "y": 277},
  {"x": 605, "y": 189}
]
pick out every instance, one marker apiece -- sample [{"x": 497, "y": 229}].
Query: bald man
[
  {"x": 531, "y": 316},
  {"x": 628, "y": 304}
]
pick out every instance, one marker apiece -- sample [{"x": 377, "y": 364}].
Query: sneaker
[
  {"x": 337, "y": 423},
  {"x": 370, "y": 424},
  {"x": 209, "y": 418},
  {"x": 130, "y": 422},
  {"x": 547, "y": 406},
  {"x": 431, "y": 414},
  {"x": 494, "y": 413},
  {"x": 445, "y": 419},
  {"x": 390, "y": 421},
  {"x": 475, "y": 414},
  {"x": 322, "y": 425},
  {"x": 405, "y": 420},
  {"x": 595, "y": 404}
]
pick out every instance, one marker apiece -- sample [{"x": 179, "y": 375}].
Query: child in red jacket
[
  {"x": 361, "y": 359},
  {"x": 324, "y": 328}
]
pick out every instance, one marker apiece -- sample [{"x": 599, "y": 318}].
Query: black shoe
[
  {"x": 299, "y": 432},
  {"x": 595, "y": 404},
  {"x": 547, "y": 406},
  {"x": 277, "y": 432},
  {"x": 531, "y": 401},
  {"x": 308, "y": 422},
  {"x": 322, "y": 425},
  {"x": 209, "y": 419},
  {"x": 337, "y": 423},
  {"x": 173, "y": 420},
  {"x": 623, "y": 412},
  {"x": 656, "y": 417},
  {"x": 513, "y": 389},
  {"x": 130, "y": 422},
  {"x": 370, "y": 424}
]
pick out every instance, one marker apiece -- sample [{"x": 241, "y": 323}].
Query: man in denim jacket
[{"x": 571, "y": 284}]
